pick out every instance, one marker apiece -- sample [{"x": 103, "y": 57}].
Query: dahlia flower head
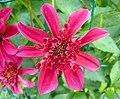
[
  {"x": 11, "y": 74},
  {"x": 7, "y": 49},
  {"x": 61, "y": 51}
]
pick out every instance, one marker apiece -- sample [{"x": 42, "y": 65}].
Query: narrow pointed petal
[
  {"x": 19, "y": 61},
  {"x": 9, "y": 47},
  {"x": 2, "y": 62},
  {"x": 51, "y": 19},
  {"x": 47, "y": 80},
  {"x": 5, "y": 13},
  {"x": 87, "y": 61},
  {"x": 76, "y": 20},
  {"x": 33, "y": 34},
  {"x": 91, "y": 36},
  {"x": 25, "y": 82},
  {"x": 16, "y": 89},
  {"x": 29, "y": 52},
  {"x": 2, "y": 26},
  {"x": 7, "y": 57},
  {"x": 11, "y": 31},
  {"x": 74, "y": 79},
  {"x": 27, "y": 71}
]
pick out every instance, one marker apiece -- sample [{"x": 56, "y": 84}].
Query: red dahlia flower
[
  {"x": 6, "y": 47},
  {"x": 61, "y": 52},
  {"x": 11, "y": 75}
]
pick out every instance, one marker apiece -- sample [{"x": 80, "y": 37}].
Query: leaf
[
  {"x": 115, "y": 73},
  {"x": 110, "y": 93},
  {"x": 79, "y": 95},
  {"x": 95, "y": 76},
  {"x": 103, "y": 86},
  {"x": 64, "y": 96},
  {"x": 68, "y": 7},
  {"x": 106, "y": 44},
  {"x": 19, "y": 40}
]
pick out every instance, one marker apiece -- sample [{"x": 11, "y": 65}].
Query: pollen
[{"x": 8, "y": 74}]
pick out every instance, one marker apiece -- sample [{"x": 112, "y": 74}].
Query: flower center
[
  {"x": 59, "y": 49},
  {"x": 9, "y": 73},
  {"x": 60, "y": 53}
]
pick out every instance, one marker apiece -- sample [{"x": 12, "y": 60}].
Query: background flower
[
  {"x": 6, "y": 47},
  {"x": 11, "y": 74}
]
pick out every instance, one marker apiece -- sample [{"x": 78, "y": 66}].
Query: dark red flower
[{"x": 61, "y": 52}]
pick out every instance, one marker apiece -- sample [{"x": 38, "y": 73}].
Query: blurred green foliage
[{"x": 102, "y": 84}]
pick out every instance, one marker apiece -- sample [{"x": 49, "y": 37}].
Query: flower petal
[
  {"x": 1, "y": 77},
  {"x": 74, "y": 79},
  {"x": 11, "y": 31},
  {"x": 28, "y": 71},
  {"x": 29, "y": 52},
  {"x": 25, "y": 82},
  {"x": 9, "y": 47},
  {"x": 5, "y": 13},
  {"x": 7, "y": 57},
  {"x": 2, "y": 62},
  {"x": 87, "y": 61},
  {"x": 47, "y": 80},
  {"x": 2, "y": 26},
  {"x": 91, "y": 36},
  {"x": 77, "y": 19},
  {"x": 33, "y": 34},
  {"x": 19, "y": 61},
  {"x": 51, "y": 18},
  {"x": 16, "y": 89}
]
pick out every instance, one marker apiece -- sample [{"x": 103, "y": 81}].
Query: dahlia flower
[
  {"x": 61, "y": 51},
  {"x": 11, "y": 75}
]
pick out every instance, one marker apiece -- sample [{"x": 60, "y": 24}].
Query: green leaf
[
  {"x": 103, "y": 86},
  {"x": 106, "y": 44},
  {"x": 115, "y": 73},
  {"x": 64, "y": 96},
  {"x": 68, "y": 7},
  {"x": 19, "y": 40},
  {"x": 110, "y": 93},
  {"x": 95, "y": 76},
  {"x": 79, "y": 95}
]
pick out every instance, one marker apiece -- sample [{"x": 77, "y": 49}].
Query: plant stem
[{"x": 33, "y": 13}]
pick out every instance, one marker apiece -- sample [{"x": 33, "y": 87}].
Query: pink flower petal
[
  {"x": 11, "y": 31},
  {"x": 74, "y": 79},
  {"x": 7, "y": 57},
  {"x": 51, "y": 18},
  {"x": 91, "y": 36},
  {"x": 16, "y": 89},
  {"x": 87, "y": 61},
  {"x": 33, "y": 34},
  {"x": 29, "y": 52},
  {"x": 1, "y": 77},
  {"x": 28, "y": 71},
  {"x": 2, "y": 62},
  {"x": 2, "y": 26},
  {"x": 25, "y": 82},
  {"x": 19, "y": 61},
  {"x": 76, "y": 20},
  {"x": 9, "y": 47},
  {"x": 47, "y": 80},
  {"x": 5, "y": 13}
]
